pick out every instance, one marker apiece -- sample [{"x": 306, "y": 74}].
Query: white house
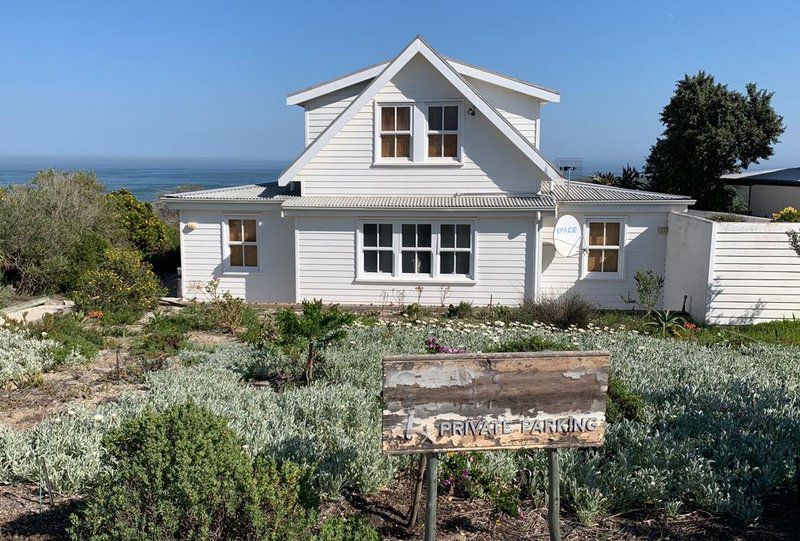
[{"x": 421, "y": 178}]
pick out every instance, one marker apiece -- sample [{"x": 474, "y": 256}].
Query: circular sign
[{"x": 567, "y": 236}]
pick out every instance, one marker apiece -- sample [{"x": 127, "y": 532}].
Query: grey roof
[
  {"x": 249, "y": 192},
  {"x": 584, "y": 192},
  {"x": 487, "y": 201},
  {"x": 787, "y": 176}
]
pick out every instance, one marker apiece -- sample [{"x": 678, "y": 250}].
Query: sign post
[{"x": 483, "y": 402}]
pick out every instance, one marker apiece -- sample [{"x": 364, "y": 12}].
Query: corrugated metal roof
[
  {"x": 586, "y": 192},
  {"x": 531, "y": 201},
  {"x": 789, "y": 176},
  {"x": 255, "y": 192}
]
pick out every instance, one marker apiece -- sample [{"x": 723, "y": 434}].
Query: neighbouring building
[
  {"x": 422, "y": 179},
  {"x": 767, "y": 192}
]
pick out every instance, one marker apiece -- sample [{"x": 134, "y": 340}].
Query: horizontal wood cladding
[{"x": 459, "y": 402}]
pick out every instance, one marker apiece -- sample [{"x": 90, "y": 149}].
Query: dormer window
[
  {"x": 443, "y": 124},
  {"x": 395, "y": 131}
]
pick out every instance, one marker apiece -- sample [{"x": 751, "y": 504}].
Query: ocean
[{"x": 147, "y": 177}]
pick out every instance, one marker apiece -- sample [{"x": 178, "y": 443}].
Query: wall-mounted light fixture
[
  {"x": 471, "y": 111},
  {"x": 191, "y": 226}
]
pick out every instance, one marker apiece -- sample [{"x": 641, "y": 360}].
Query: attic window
[
  {"x": 395, "y": 131},
  {"x": 443, "y": 131}
]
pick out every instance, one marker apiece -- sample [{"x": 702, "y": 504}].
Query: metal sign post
[
  {"x": 483, "y": 402},
  {"x": 432, "y": 494}
]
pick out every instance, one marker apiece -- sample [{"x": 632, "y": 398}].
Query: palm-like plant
[
  {"x": 667, "y": 322},
  {"x": 318, "y": 326}
]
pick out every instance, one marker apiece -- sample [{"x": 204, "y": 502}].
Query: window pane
[
  {"x": 409, "y": 262},
  {"x": 462, "y": 236},
  {"x": 387, "y": 146},
  {"x": 250, "y": 256},
  {"x": 450, "y": 146},
  {"x": 249, "y": 230},
  {"x": 446, "y": 262},
  {"x": 387, "y": 118},
  {"x": 434, "y": 118},
  {"x": 596, "y": 234},
  {"x": 385, "y": 260},
  {"x": 448, "y": 235},
  {"x": 370, "y": 261},
  {"x": 403, "y": 118},
  {"x": 235, "y": 230},
  {"x": 385, "y": 231},
  {"x": 612, "y": 234},
  {"x": 434, "y": 146},
  {"x": 610, "y": 260},
  {"x": 424, "y": 235},
  {"x": 462, "y": 262},
  {"x": 595, "y": 260},
  {"x": 409, "y": 235},
  {"x": 451, "y": 117},
  {"x": 424, "y": 262},
  {"x": 403, "y": 148},
  {"x": 237, "y": 256},
  {"x": 370, "y": 234}
]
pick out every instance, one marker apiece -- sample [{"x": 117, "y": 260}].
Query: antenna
[{"x": 569, "y": 165}]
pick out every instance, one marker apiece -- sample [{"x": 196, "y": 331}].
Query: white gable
[{"x": 419, "y": 73}]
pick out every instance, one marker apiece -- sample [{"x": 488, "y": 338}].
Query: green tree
[
  {"x": 630, "y": 178},
  {"x": 317, "y": 327},
  {"x": 711, "y": 130}
]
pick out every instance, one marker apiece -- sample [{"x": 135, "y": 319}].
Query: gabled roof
[
  {"x": 586, "y": 192},
  {"x": 419, "y": 46},
  {"x": 789, "y": 176},
  {"x": 299, "y": 97}
]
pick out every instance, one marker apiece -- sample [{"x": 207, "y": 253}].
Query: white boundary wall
[{"x": 731, "y": 273}]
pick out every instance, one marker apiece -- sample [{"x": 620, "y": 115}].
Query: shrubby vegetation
[
  {"x": 22, "y": 356},
  {"x": 789, "y": 214},
  {"x": 564, "y": 311}
]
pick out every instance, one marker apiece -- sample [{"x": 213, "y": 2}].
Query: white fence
[{"x": 731, "y": 273}]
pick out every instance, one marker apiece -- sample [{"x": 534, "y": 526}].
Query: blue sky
[{"x": 209, "y": 79}]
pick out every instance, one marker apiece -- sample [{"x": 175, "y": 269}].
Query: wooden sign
[{"x": 464, "y": 402}]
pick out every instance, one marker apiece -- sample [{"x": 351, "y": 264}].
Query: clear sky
[{"x": 209, "y": 79}]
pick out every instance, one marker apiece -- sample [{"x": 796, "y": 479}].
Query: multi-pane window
[
  {"x": 378, "y": 248},
  {"x": 242, "y": 243},
  {"x": 455, "y": 249},
  {"x": 443, "y": 131},
  {"x": 604, "y": 246},
  {"x": 395, "y": 131},
  {"x": 416, "y": 249}
]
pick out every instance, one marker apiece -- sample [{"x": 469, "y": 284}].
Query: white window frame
[
  {"x": 378, "y": 248},
  {"x": 600, "y": 275},
  {"x": 455, "y": 249},
  {"x": 459, "y": 132},
  {"x": 397, "y": 276},
  {"x": 226, "y": 244},
  {"x": 378, "y": 131},
  {"x": 431, "y": 249}
]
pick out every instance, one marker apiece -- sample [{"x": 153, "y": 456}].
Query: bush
[
  {"x": 789, "y": 214},
  {"x": 623, "y": 403},
  {"x": 351, "y": 529},
  {"x": 22, "y": 356},
  {"x": 86, "y": 255},
  {"x": 158, "y": 242},
  {"x": 122, "y": 288},
  {"x": 413, "y": 311},
  {"x": 471, "y": 475},
  {"x": 163, "y": 336},
  {"x": 649, "y": 286},
  {"x": 45, "y": 222},
  {"x": 531, "y": 343},
  {"x": 564, "y": 311},
  {"x": 462, "y": 311},
  {"x": 287, "y": 499},
  {"x": 726, "y": 217},
  {"x": 71, "y": 334}
]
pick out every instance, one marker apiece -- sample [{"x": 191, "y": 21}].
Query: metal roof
[
  {"x": 584, "y": 192},
  {"x": 788, "y": 176},
  {"x": 254, "y": 192},
  {"x": 488, "y": 201}
]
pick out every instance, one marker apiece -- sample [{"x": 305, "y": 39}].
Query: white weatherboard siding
[
  {"x": 644, "y": 248},
  {"x": 320, "y": 112},
  {"x": 520, "y": 110},
  {"x": 202, "y": 255},
  {"x": 491, "y": 162},
  {"x": 689, "y": 249},
  {"x": 326, "y": 263},
  {"x": 756, "y": 274}
]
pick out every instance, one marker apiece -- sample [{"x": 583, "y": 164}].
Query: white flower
[{"x": 98, "y": 417}]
